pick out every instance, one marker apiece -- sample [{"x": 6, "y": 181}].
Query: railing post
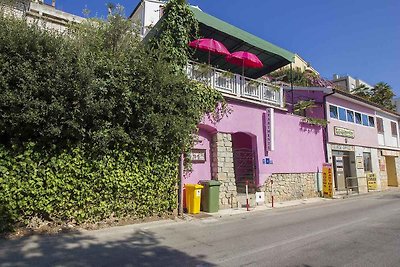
[
  {"x": 281, "y": 97},
  {"x": 212, "y": 78},
  {"x": 238, "y": 85}
]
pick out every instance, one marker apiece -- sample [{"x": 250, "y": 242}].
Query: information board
[
  {"x": 371, "y": 178},
  {"x": 327, "y": 180}
]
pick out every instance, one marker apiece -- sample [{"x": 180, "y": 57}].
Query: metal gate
[{"x": 244, "y": 164}]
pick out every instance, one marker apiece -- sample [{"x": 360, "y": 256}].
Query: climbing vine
[{"x": 178, "y": 27}]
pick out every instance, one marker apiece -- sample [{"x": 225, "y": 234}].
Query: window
[
  {"x": 161, "y": 11},
  {"x": 358, "y": 118},
  {"x": 333, "y": 111},
  {"x": 379, "y": 125},
  {"x": 365, "y": 120},
  {"x": 367, "y": 162},
  {"x": 394, "y": 128},
  {"x": 342, "y": 114},
  {"x": 371, "y": 121},
  {"x": 350, "y": 116}
]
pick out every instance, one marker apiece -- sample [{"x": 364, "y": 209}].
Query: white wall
[
  {"x": 151, "y": 14},
  {"x": 147, "y": 15},
  {"x": 138, "y": 17},
  {"x": 387, "y": 139}
]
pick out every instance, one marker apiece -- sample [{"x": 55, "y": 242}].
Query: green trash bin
[{"x": 210, "y": 195}]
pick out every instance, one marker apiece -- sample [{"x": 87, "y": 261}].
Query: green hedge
[{"x": 73, "y": 186}]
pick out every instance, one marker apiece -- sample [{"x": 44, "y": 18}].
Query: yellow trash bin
[{"x": 193, "y": 198}]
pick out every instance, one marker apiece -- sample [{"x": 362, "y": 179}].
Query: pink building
[
  {"x": 256, "y": 143},
  {"x": 259, "y": 141}
]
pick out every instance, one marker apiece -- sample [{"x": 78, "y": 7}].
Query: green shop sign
[{"x": 340, "y": 131}]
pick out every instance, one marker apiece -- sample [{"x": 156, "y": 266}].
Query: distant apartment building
[
  {"x": 300, "y": 64},
  {"x": 45, "y": 15},
  {"x": 396, "y": 102},
  {"x": 146, "y": 14},
  {"x": 348, "y": 83}
]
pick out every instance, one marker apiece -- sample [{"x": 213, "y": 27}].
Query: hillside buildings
[
  {"x": 45, "y": 15},
  {"x": 348, "y": 83}
]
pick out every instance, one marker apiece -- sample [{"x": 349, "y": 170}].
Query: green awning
[{"x": 235, "y": 39}]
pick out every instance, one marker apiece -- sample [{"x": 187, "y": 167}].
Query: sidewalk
[
  {"x": 277, "y": 205},
  {"x": 285, "y": 204}
]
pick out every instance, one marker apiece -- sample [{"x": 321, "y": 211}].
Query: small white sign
[
  {"x": 260, "y": 197},
  {"x": 198, "y": 193}
]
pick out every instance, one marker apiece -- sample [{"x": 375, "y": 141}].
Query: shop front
[
  {"x": 352, "y": 146},
  {"x": 389, "y": 164}
]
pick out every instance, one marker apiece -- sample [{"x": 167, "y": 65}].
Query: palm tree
[
  {"x": 382, "y": 94},
  {"x": 362, "y": 91}
]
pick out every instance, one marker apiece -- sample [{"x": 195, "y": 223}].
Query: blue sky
[{"x": 358, "y": 37}]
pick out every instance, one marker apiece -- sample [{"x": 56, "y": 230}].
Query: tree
[
  {"x": 362, "y": 91},
  {"x": 299, "y": 77},
  {"x": 382, "y": 94},
  {"x": 99, "y": 85}
]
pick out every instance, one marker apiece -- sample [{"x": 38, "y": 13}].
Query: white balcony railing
[{"x": 235, "y": 84}]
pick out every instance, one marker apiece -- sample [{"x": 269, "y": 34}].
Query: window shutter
[
  {"x": 394, "y": 128},
  {"x": 379, "y": 125}
]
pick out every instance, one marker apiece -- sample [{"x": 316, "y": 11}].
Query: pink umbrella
[
  {"x": 244, "y": 59},
  {"x": 210, "y": 46}
]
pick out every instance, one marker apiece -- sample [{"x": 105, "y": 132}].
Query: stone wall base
[
  {"x": 223, "y": 169},
  {"x": 291, "y": 186}
]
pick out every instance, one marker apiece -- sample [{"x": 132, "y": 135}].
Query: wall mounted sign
[
  {"x": 342, "y": 147},
  {"x": 198, "y": 155},
  {"x": 359, "y": 162},
  {"x": 269, "y": 130},
  {"x": 339, "y": 161},
  {"x": 267, "y": 161},
  {"x": 382, "y": 165},
  {"x": 390, "y": 153},
  {"x": 327, "y": 180},
  {"x": 344, "y": 132}
]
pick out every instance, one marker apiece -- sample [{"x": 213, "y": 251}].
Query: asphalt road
[{"x": 360, "y": 231}]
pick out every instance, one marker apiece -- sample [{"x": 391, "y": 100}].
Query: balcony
[{"x": 235, "y": 85}]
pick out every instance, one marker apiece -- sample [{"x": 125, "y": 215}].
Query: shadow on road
[{"x": 143, "y": 248}]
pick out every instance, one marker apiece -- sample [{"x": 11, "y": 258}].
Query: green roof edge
[{"x": 249, "y": 38}]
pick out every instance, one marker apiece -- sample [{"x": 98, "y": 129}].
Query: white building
[
  {"x": 45, "y": 15},
  {"x": 348, "y": 83},
  {"x": 146, "y": 14},
  {"x": 301, "y": 65},
  {"x": 387, "y": 124}
]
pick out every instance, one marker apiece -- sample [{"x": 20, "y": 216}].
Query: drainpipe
[
  {"x": 291, "y": 86},
  {"x": 326, "y": 128},
  {"x": 180, "y": 192}
]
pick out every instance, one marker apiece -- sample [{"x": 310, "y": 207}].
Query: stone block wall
[
  {"x": 382, "y": 173},
  {"x": 291, "y": 186},
  {"x": 397, "y": 162},
  {"x": 362, "y": 185},
  {"x": 223, "y": 169}
]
